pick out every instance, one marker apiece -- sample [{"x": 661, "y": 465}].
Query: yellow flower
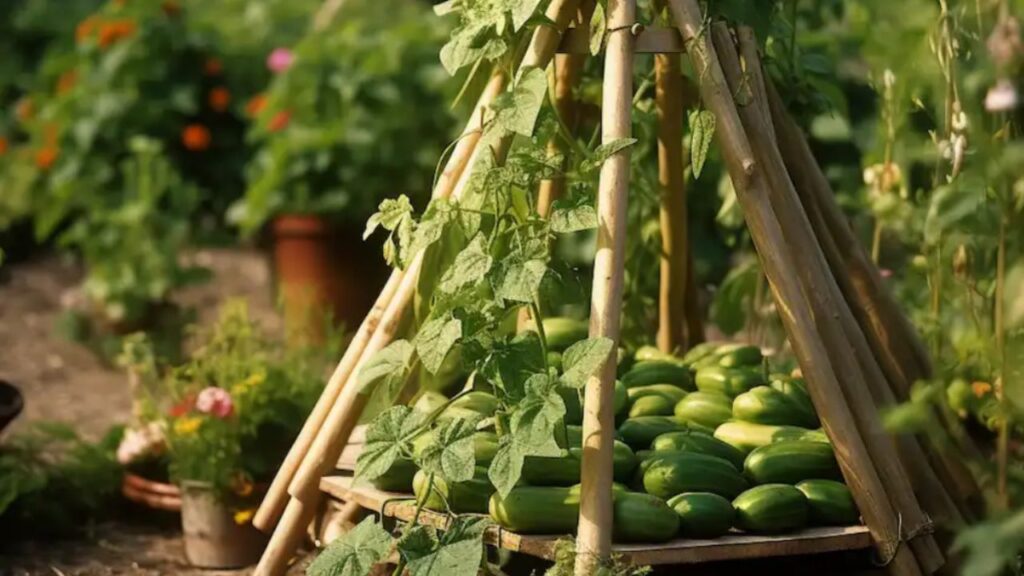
[
  {"x": 187, "y": 426},
  {"x": 244, "y": 516},
  {"x": 254, "y": 379}
]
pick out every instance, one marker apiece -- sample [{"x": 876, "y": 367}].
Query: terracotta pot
[
  {"x": 212, "y": 537},
  {"x": 323, "y": 268},
  {"x": 158, "y": 495}
]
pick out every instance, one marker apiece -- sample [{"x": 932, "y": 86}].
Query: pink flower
[
  {"x": 1002, "y": 97},
  {"x": 138, "y": 442},
  {"x": 885, "y": 272},
  {"x": 279, "y": 60},
  {"x": 215, "y": 401}
]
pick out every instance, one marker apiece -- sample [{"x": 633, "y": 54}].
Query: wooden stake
[
  {"x": 594, "y": 535},
  {"x": 793, "y": 309},
  {"x": 568, "y": 69},
  {"x": 277, "y": 495},
  {"x": 831, "y": 316},
  {"x": 668, "y": 98}
]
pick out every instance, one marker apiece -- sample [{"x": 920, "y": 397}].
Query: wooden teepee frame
[{"x": 856, "y": 349}]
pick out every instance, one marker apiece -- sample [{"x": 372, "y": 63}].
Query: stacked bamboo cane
[{"x": 856, "y": 349}]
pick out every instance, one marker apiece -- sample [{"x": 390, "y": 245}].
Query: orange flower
[
  {"x": 242, "y": 485},
  {"x": 219, "y": 98},
  {"x": 115, "y": 30},
  {"x": 279, "y": 121},
  {"x": 195, "y": 137},
  {"x": 67, "y": 81},
  {"x": 171, "y": 8},
  {"x": 980, "y": 388},
  {"x": 3, "y": 145},
  {"x": 85, "y": 29},
  {"x": 213, "y": 66},
  {"x": 24, "y": 109},
  {"x": 255, "y": 105},
  {"x": 46, "y": 156}
]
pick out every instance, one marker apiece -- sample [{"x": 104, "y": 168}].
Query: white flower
[
  {"x": 139, "y": 442},
  {"x": 1002, "y": 97}
]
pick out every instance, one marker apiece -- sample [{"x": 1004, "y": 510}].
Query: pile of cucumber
[{"x": 705, "y": 444}]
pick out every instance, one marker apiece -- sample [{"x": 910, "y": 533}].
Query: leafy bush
[
  {"x": 53, "y": 483},
  {"x": 357, "y": 112}
]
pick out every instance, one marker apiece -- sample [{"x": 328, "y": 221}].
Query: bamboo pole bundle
[
  {"x": 277, "y": 496},
  {"x": 675, "y": 251},
  {"x": 797, "y": 315},
  {"x": 594, "y": 538},
  {"x": 833, "y": 319},
  {"x": 345, "y": 412},
  {"x": 817, "y": 198}
]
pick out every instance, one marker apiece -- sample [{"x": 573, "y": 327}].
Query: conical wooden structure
[{"x": 857, "y": 352}]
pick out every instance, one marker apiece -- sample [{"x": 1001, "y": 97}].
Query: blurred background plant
[{"x": 357, "y": 112}]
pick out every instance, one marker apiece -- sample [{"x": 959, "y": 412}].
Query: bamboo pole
[
  {"x": 668, "y": 98},
  {"x": 594, "y": 533},
  {"x": 831, "y": 316},
  {"x": 956, "y": 481},
  {"x": 568, "y": 70},
  {"x": 794, "y": 311},
  {"x": 277, "y": 495}
]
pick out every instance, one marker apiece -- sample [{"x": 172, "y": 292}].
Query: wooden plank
[
  {"x": 682, "y": 551},
  {"x": 651, "y": 40}
]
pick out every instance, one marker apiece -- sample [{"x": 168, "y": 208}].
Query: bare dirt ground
[{"x": 64, "y": 381}]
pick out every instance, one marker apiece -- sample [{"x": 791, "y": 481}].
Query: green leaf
[
  {"x": 435, "y": 339},
  {"x": 470, "y": 266},
  {"x": 535, "y": 417},
  {"x": 609, "y": 149},
  {"x": 568, "y": 216},
  {"x": 585, "y": 359},
  {"x": 387, "y": 437},
  {"x": 519, "y": 113},
  {"x": 521, "y": 12},
  {"x": 431, "y": 226},
  {"x": 949, "y": 208},
  {"x": 417, "y": 542},
  {"x": 469, "y": 44},
  {"x": 459, "y": 552},
  {"x": 507, "y": 466},
  {"x": 702, "y": 130},
  {"x": 597, "y": 29},
  {"x": 390, "y": 215},
  {"x": 510, "y": 364},
  {"x": 386, "y": 366},
  {"x": 354, "y": 553},
  {"x": 450, "y": 453},
  {"x": 521, "y": 279}
]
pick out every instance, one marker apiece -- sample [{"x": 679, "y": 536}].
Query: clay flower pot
[
  {"x": 323, "y": 269},
  {"x": 213, "y": 539}
]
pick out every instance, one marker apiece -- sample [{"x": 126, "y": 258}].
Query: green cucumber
[
  {"x": 700, "y": 442},
  {"x": 831, "y": 503},
  {"x": 621, "y": 401},
  {"x": 643, "y": 518},
  {"x": 728, "y": 381},
  {"x": 555, "y": 360},
  {"x": 485, "y": 446},
  {"x": 672, "y": 473},
  {"x": 792, "y": 461},
  {"x": 653, "y": 405},
  {"x": 771, "y": 509},
  {"x": 561, "y": 332},
  {"x": 573, "y": 406},
  {"x": 702, "y": 514},
  {"x": 673, "y": 393},
  {"x": 397, "y": 478},
  {"x": 767, "y": 405},
  {"x": 429, "y": 401},
  {"x": 537, "y": 509},
  {"x": 483, "y": 403},
  {"x": 700, "y": 351},
  {"x": 641, "y": 431},
  {"x": 746, "y": 435},
  {"x": 796, "y": 391},
  {"x": 564, "y": 470},
  {"x": 744, "y": 355},
  {"x": 470, "y": 496},
  {"x": 648, "y": 353},
  {"x": 657, "y": 372},
  {"x": 704, "y": 409}
]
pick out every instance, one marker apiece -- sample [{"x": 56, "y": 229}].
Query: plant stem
[
  {"x": 876, "y": 242},
  {"x": 415, "y": 520},
  {"x": 538, "y": 322},
  {"x": 1000, "y": 382}
]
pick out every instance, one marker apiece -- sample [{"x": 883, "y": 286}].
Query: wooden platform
[{"x": 683, "y": 551}]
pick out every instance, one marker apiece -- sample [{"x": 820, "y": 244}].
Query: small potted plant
[
  {"x": 237, "y": 406},
  {"x": 355, "y": 112}
]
